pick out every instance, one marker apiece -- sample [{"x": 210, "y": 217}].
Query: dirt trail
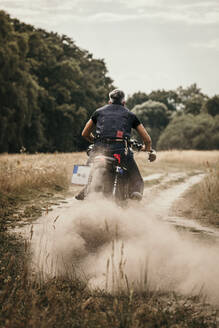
[{"x": 154, "y": 249}]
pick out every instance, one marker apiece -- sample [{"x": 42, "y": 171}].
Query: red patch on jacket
[{"x": 119, "y": 134}]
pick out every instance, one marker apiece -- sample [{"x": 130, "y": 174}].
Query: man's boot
[{"x": 80, "y": 195}]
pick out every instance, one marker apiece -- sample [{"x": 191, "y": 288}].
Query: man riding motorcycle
[{"x": 113, "y": 123}]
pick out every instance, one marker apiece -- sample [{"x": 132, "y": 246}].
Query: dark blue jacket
[{"x": 114, "y": 121}]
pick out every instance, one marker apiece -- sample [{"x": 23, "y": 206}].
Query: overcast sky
[{"x": 146, "y": 44}]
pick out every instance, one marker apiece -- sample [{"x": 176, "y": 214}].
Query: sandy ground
[{"x": 148, "y": 240}]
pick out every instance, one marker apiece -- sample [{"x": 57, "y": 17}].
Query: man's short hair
[{"x": 117, "y": 96}]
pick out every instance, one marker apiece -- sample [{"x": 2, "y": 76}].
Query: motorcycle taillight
[{"x": 118, "y": 157}]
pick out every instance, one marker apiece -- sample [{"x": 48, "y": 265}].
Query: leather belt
[{"x": 108, "y": 140}]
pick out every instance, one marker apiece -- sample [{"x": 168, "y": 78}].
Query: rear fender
[
  {"x": 100, "y": 178},
  {"x": 103, "y": 161}
]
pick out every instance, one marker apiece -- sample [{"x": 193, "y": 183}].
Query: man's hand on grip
[{"x": 152, "y": 155}]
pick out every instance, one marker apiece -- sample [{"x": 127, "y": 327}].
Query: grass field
[
  {"x": 67, "y": 301},
  {"x": 19, "y": 173}
]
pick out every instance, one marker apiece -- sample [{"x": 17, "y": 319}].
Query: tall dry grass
[
  {"x": 22, "y": 172},
  {"x": 190, "y": 157},
  {"x": 176, "y": 160},
  {"x": 206, "y": 194},
  {"x": 66, "y": 302}
]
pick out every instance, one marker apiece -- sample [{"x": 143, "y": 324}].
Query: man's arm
[
  {"x": 87, "y": 131},
  {"x": 145, "y": 137}
]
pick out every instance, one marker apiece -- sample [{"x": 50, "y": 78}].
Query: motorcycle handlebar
[
  {"x": 138, "y": 146},
  {"x": 135, "y": 144}
]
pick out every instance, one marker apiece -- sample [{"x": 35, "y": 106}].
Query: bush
[
  {"x": 191, "y": 132},
  {"x": 212, "y": 106},
  {"x": 154, "y": 116}
]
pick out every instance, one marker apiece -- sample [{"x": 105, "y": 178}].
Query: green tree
[
  {"x": 169, "y": 98},
  {"x": 191, "y": 132},
  {"x": 212, "y": 106},
  {"x": 136, "y": 99},
  {"x": 192, "y": 99},
  {"x": 154, "y": 116},
  {"x": 18, "y": 89},
  {"x": 194, "y": 105},
  {"x": 48, "y": 88}
]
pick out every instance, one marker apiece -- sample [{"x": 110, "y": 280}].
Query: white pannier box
[{"x": 80, "y": 174}]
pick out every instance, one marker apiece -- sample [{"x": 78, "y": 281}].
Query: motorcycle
[{"x": 108, "y": 175}]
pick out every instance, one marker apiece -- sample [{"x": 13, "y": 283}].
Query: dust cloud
[{"x": 123, "y": 248}]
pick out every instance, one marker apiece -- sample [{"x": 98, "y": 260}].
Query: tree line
[
  {"x": 49, "y": 87},
  {"x": 184, "y": 118}
]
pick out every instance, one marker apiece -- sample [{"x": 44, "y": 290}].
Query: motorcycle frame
[{"x": 119, "y": 170}]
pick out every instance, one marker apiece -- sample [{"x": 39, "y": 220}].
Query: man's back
[{"x": 114, "y": 121}]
